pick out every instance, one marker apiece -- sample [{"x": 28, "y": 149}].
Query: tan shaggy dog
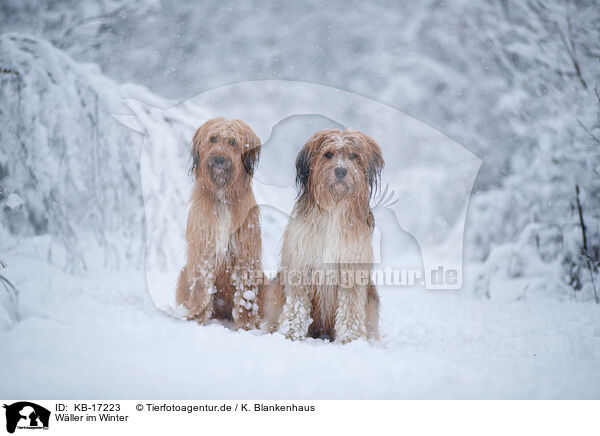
[
  {"x": 223, "y": 267},
  {"x": 324, "y": 286}
]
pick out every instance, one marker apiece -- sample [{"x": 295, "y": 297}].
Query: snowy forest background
[{"x": 517, "y": 83}]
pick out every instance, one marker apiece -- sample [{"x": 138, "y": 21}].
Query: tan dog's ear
[
  {"x": 374, "y": 159},
  {"x": 251, "y": 151},
  {"x": 195, "y": 151}
]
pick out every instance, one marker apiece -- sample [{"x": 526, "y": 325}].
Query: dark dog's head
[
  {"x": 224, "y": 154},
  {"x": 339, "y": 166}
]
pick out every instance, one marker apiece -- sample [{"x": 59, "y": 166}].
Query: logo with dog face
[{"x": 26, "y": 415}]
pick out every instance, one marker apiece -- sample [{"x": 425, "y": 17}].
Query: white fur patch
[
  {"x": 223, "y": 229},
  {"x": 326, "y": 238}
]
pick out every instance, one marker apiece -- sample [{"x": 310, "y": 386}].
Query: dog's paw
[
  {"x": 292, "y": 331},
  {"x": 295, "y": 320},
  {"x": 202, "y": 318},
  {"x": 345, "y": 339},
  {"x": 247, "y": 320},
  {"x": 348, "y": 333},
  {"x": 245, "y": 311}
]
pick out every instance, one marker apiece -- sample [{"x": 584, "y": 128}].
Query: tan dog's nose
[{"x": 218, "y": 160}]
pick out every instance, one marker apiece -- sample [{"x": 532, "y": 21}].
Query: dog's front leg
[
  {"x": 195, "y": 290},
  {"x": 247, "y": 275},
  {"x": 245, "y": 300},
  {"x": 295, "y": 316},
  {"x": 350, "y": 316},
  {"x": 205, "y": 289}
]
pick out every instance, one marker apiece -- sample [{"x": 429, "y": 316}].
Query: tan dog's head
[
  {"x": 224, "y": 155},
  {"x": 338, "y": 166}
]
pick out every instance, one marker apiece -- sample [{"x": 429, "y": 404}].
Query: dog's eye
[
  {"x": 352, "y": 156},
  {"x": 213, "y": 139},
  {"x": 232, "y": 142},
  {"x": 329, "y": 155}
]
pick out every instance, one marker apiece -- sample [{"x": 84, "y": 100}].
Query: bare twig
[
  {"x": 571, "y": 51},
  {"x": 585, "y": 249},
  {"x": 579, "y": 209},
  {"x": 589, "y": 132},
  {"x": 6, "y": 283},
  {"x": 592, "y": 257},
  {"x": 100, "y": 17}
]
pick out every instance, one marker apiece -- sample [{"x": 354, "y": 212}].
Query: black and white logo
[{"x": 26, "y": 415}]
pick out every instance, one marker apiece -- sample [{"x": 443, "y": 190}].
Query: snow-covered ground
[{"x": 100, "y": 336}]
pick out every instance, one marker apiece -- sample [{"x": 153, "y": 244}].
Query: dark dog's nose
[
  {"x": 218, "y": 160},
  {"x": 340, "y": 172}
]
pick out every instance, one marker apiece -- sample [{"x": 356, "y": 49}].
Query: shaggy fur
[
  {"x": 223, "y": 268},
  {"x": 328, "y": 241}
]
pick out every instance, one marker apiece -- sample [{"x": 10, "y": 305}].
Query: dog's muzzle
[
  {"x": 339, "y": 185},
  {"x": 219, "y": 168}
]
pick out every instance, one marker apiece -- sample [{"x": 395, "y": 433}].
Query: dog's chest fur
[
  {"x": 327, "y": 237},
  {"x": 222, "y": 229}
]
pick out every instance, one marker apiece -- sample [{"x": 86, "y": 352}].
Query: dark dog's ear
[
  {"x": 303, "y": 168},
  {"x": 303, "y": 161},
  {"x": 374, "y": 159},
  {"x": 195, "y": 152},
  {"x": 251, "y": 152}
]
